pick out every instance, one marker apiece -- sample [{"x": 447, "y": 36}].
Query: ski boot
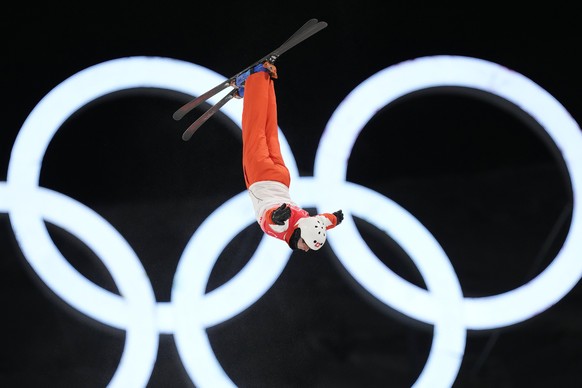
[{"x": 239, "y": 82}]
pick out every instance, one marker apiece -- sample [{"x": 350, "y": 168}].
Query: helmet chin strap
[{"x": 295, "y": 237}]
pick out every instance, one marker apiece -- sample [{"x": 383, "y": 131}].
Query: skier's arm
[
  {"x": 331, "y": 220},
  {"x": 278, "y": 217}
]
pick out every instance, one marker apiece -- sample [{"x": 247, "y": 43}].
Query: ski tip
[
  {"x": 177, "y": 115},
  {"x": 186, "y": 136},
  {"x": 320, "y": 25}
]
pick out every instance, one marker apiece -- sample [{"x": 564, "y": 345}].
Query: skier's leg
[
  {"x": 261, "y": 155},
  {"x": 272, "y": 130}
]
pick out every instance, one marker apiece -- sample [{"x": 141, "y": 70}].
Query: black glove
[
  {"x": 339, "y": 215},
  {"x": 281, "y": 214}
]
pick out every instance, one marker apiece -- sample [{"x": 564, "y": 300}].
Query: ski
[{"x": 308, "y": 29}]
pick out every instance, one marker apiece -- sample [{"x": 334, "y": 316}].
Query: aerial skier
[{"x": 266, "y": 176}]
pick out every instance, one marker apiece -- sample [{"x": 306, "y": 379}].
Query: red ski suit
[{"x": 266, "y": 176}]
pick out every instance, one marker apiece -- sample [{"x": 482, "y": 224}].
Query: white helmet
[{"x": 312, "y": 232}]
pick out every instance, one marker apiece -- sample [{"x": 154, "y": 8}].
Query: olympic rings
[{"x": 191, "y": 311}]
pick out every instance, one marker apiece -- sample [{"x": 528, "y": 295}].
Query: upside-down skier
[{"x": 266, "y": 176}]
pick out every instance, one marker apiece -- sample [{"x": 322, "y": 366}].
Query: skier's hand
[
  {"x": 281, "y": 214},
  {"x": 339, "y": 215}
]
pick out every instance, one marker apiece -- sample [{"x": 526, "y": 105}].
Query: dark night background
[{"x": 485, "y": 183}]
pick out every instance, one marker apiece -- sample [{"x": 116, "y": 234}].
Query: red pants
[{"x": 262, "y": 159}]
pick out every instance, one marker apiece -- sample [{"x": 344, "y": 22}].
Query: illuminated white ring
[
  {"x": 441, "y": 306},
  {"x": 396, "y": 81},
  {"x": 195, "y": 310},
  {"x": 134, "y": 313},
  {"x": 23, "y": 176}
]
